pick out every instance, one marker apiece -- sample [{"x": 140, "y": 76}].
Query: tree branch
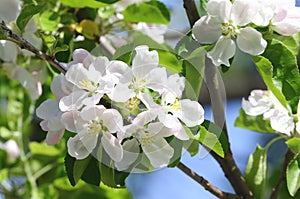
[
  {"x": 191, "y": 11},
  {"x": 28, "y": 46},
  {"x": 288, "y": 156},
  {"x": 228, "y": 165},
  {"x": 205, "y": 184}
]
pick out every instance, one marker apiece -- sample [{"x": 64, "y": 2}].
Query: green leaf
[
  {"x": 253, "y": 123},
  {"x": 27, "y": 13},
  {"x": 82, "y": 4},
  {"x": 256, "y": 172},
  {"x": 293, "y": 175},
  {"x": 265, "y": 68},
  {"x": 111, "y": 177},
  {"x": 213, "y": 128},
  {"x": 41, "y": 148},
  {"x": 170, "y": 61},
  {"x": 108, "y": 1},
  {"x": 294, "y": 145},
  {"x": 203, "y": 7},
  {"x": 49, "y": 20},
  {"x": 285, "y": 71},
  {"x": 289, "y": 41},
  {"x": 3, "y": 34},
  {"x": 193, "y": 70},
  {"x": 192, "y": 146},
  {"x": 92, "y": 174},
  {"x": 3, "y": 174},
  {"x": 211, "y": 141},
  {"x": 79, "y": 168},
  {"x": 176, "y": 144},
  {"x": 62, "y": 48},
  {"x": 150, "y": 12},
  {"x": 69, "y": 166},
  {"x": 206, "y": 138}
]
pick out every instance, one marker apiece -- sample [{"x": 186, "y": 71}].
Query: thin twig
[
  {"x": 206, "y": 184},
  {"x": 23, "y": 43},
  {"x": 288, "y": 156},
  {"x": 228, "y": 165}
]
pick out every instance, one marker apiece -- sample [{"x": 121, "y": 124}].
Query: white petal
[
  {"x": 8, "y": 51},
  {"x": 92, "y": 112},
  {"x": 76, "y": 74},
  {"x": 72, "y": 121},
  {"x": 121, "y": 93},
  {"x": 9, "y": 10},
  {"x": 206, "y": 30},
  {"x": 144, "y": 61},
  {"x": 145, "y": 117},
  {"x": 76, "y": 149},
  {"x": 113, "y": 120},
  {"x": 264, "y": 14},
  {"x": 253, "y": 110},
  {"x": 47, "y": 109},
  {"x": 81, "y": 56},
  {"x": 176, "y": 85},
  {"x": 192, "y": 112},
  {"x": 243, "y": 11},
  {"x": 100, "y": 64},
  {"x": 298, "y": 126},
  {"x": 157, "y": 79},
  {"x": 120, "y": 71},
  {"x": 222, "y": 52},
  {"x": 251, "y": 41},
  {"x": 60, "y": 87},
  {"x": 287, "y": 27},
  {"x": 159, "y": 152},
  {"x": 88, "y": 140},
  {"x": 112, "y": 146},
  {"x": 219, "y": 9},
  {"x": 54, "y": 136},
  {"x": 131, "y": 152},
  {"x": 74, "y": 101},
  {"x": 159, "y": 129},
  {"x": 282, "y": 123}
]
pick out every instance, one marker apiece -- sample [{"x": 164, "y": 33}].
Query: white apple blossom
[
  {"x": 144, "y": 74},
  {"x": 154, "y": 31},
  {"x": 9, "y": 10},
  {"x": 224, "y": 25},
  {"x": 282, "y": 15},
  {"x": 265, "y": 103},
  {"x": 51, "y": 115},
  {"x": 12, "y": 149},
  {"x": 151, "y": 138},
  {"x": 95, "y": 122}
]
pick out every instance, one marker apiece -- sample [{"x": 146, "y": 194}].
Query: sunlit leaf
[
  {"x": 150, "y": 12},
  {"x": 254, "y": 123},
  {"x": 82, "y": 4},
  {"x": 294, "y": 145},
  {"x": 256, "y": 172},
  {"x": 293, "y": 175}
]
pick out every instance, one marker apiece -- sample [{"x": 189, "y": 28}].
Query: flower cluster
[
  {"x": 265, "y": 103},
  {"x": 229, "y": 23},
  {"x": 126, "y": 111}
]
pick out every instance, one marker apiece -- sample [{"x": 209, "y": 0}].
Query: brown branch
[
  {"x": 288, "y": 156},
  {"x": 28, "y": 46},
  {"x": 191, "y": 11},
  {"x": 206, "y": 185},
  {"x": 228, "y": 165}
]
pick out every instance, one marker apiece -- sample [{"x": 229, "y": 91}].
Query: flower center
[
  {"x": 229, "y": 30},
  {"x": 88, "y": 85},
  {"x": 138, "y": 85},
  {"x": 174, "y": 107},
  {"x": 147, "y": 139},
  {"x": 94, "y": 127}
]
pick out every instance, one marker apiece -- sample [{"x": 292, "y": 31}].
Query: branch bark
[
  {"x": 288, "y": 156},
  {"x": 23, "y": 43},
  {"x": 191, "y": 11},
  {"x": 228, "y": 165},
  {"x": 206, "y": 184}
]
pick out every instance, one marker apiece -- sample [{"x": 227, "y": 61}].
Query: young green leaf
[
  {"x": 91, "y": 174},
  {"x": 69, "y": 165},
  {"x": 285, "y": 72},
  {"x": 79, "y": 168},
  {"x": 256, "y": 172},
  {"x": 108, "y": 1},
  {"x": 27, "y": 13},
  {"x": 83, "y": 4},
  {"x": 193, "y": 70},
  {"x": 253, "y": 123},
  {"x": 293, "y": 175},
  {"x": 150, "y": 12},
  {"x": 294, "y": 145}
]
